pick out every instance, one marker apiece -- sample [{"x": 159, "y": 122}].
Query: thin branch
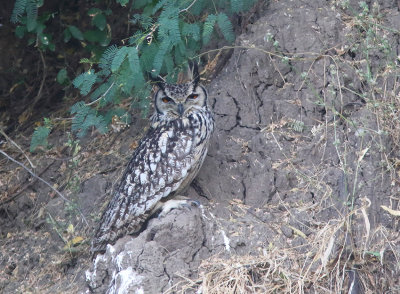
[
  {"x": 104, "y": 94},
  {"x": 187, "y": 8},
  {"x": 39, "y": 94},
  {"x": 42, "y": 180},
  {"x": 16, "y": 145},
  {"x": 26, "y": 186},
  {"x": 276, "y": 54}
]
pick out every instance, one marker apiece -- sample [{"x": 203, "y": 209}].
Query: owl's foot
[{"x": 177, "y": 204}]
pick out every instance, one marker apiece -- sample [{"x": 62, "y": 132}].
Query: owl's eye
[
  {"x": 193, "y": 96},
  {"x": 166, "y": 99}
]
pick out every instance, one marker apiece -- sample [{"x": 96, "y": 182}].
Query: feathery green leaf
[
  {"x": 85, "y": 81},
  {"x": 107, "y": 57},
  {"x": 191, "y": 29},
  {"x": 208, "y": 27},
  {"x": 119, "y": 58},
  {"x": 39, "y": 137},
  {"x": 134, "y": 64},
  {"x": 31, "y": 15},
  {"x": 19, "y": 9},
  {"x": 159, "y": 58},
  {"x": 225, "y": 26},
  {"x": 84, "y": 118}
]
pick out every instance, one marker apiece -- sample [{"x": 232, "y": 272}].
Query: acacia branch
[
  {"x": 104, "y": 94},
  {"x": 187, "y": 8}
]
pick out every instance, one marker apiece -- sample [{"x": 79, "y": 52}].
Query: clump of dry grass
[
  {"x": 330, "y": 261},
  {"x": 282, "y": 272}
]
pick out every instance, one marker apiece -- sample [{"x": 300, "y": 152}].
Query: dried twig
[
  {"x": 42, "y": 180},
  {"x": 16, "y": 145},
  {"x": 18, "y": 193},
  {"x": 39, "y": 94}
]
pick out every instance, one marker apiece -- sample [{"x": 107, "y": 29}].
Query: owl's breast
[{"x": 201, "y": 126}]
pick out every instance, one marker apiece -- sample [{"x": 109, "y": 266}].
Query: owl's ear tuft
[{"x": 194, "y": 70}]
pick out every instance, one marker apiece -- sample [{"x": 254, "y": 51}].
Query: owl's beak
[{"x": 180, "y": 109}]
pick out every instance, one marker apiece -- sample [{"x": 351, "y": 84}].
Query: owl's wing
[{"x": 164, "y": 159}]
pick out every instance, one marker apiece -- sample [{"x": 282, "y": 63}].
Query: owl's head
[{"x": 179, "y": 100}]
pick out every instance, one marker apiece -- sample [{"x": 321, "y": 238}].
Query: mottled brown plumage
[{"x": 166, "y": 160}]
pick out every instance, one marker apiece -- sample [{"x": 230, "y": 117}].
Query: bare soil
[{"x": 299, "y": 191}]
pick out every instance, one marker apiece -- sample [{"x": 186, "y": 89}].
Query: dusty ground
[{"x": 296, "y": 190}]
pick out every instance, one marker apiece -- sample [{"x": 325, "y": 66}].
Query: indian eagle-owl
[{"x": 165, "y": 162}]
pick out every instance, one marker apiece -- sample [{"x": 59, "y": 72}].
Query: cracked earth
[{"x": 275, "y": 173}]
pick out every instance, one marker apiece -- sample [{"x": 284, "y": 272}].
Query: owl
[{"x": 165, "y": 162}]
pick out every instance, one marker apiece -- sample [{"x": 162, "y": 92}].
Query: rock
[{"x": 152, "y": 261}]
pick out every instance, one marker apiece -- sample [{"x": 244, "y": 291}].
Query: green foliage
[
  {"x": 191, "y": 30},
  {"x": 86, "y": 117},
  {"x": 25, "y": 12},
  {"x": 108, "y": 56},
  {"x": 145, "y": 21},
  {"x": 225, "y": 26},
  {"x": 40, "y": 135},
  {"x": 33, "y": 25},
  {"x": 31, "y": 15},
  {"x": 296, "y": 125},
  {"x": 20, "y": 31},
  {"x": 105, "y": 94},
  {"x": 236, "y": 5},
  {"x": 75, "y": 32},
  {"x": 97, "y": 36},
  {"x": 119, "y": 57},
  {"x": 165, "y": 35},
  {"x": 240, "y": 5},
  {"x": 99, "y": 19},
  {"x": 134, "y": 64},
  {"x": 18, "y": 11},
  {"x": 208, "y": 27},
  {"x": 123, "y": 2},
  {"x": 371, "y": 39},
  {"x": 85, "y": 81},
  {"x": 62, "y": 77}
]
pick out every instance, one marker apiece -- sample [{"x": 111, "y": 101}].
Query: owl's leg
[{"x": 179, "y": 202}]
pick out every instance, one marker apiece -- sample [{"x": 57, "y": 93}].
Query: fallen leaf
[{"x": 74, "y": 242}]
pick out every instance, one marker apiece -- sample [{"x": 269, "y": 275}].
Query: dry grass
[{"x": 331, "y": 264}]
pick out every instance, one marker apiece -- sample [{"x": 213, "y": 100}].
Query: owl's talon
[
  {"x": 195, "y": 203},
  {"x": 177, "y": 204}
]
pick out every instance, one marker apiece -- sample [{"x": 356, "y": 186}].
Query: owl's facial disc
[{"x": 180, "y": 100}]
